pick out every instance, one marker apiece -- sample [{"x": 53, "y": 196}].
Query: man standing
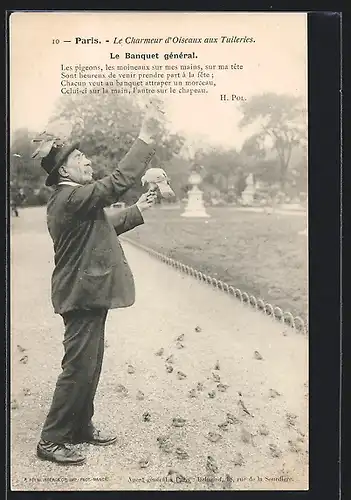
[{"x": 91, "y": 276}]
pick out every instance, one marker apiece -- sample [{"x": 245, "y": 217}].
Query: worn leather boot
[{"x": 59, "y": 453}]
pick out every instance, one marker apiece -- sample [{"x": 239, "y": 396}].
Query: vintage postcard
[{"x": 159, "y": 251}]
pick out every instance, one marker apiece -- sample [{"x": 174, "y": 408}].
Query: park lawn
[{"x": 259, "y": 253}]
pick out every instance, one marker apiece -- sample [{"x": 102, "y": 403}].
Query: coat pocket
[{"x": 96, "y": 287}]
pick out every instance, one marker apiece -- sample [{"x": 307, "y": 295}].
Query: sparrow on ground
[
  {"x": 181, "y": 375},
  {"x": 257, "y": 355},
  {"x": 211, "y": 465},
  {"x": 273, "y": 393},
  {"x": 14, "y": 405},
  {"x": 140, "y": 395},
  {"x": 238, "y": 460},
  {"x": 24, "y": 359},
  {"x": 231, "y": 419}
]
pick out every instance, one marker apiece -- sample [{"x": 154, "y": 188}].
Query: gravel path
[{"x": 265, "y": 449}]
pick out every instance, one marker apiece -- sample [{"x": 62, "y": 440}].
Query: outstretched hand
[{"x": 146, "y": 200}]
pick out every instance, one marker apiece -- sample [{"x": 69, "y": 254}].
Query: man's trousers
[{"x": 72, "y": 405}]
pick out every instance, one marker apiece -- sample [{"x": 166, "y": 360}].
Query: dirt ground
[{"x": 265, "y": 448}]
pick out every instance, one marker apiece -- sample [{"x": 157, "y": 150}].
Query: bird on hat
[{"x": 54, "y": 148}]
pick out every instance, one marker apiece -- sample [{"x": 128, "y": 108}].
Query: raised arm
[{"x": 110, "y": 188}]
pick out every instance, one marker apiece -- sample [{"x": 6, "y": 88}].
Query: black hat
[
  {"x": 53, "y": 161},
  {"x": 53, "y": 154}
]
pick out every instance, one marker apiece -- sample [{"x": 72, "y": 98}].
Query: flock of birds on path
[{"x": 165, "y": 443}]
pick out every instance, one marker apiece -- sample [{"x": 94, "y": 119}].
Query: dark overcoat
[{"x": 91, "y": 269}]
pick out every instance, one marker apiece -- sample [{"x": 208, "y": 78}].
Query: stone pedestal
[
  {"x": 195, "y": 206},
  {"x": 248, "y": 194}
]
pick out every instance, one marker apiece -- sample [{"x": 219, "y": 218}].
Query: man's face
[{"x": 78, "y": 168}]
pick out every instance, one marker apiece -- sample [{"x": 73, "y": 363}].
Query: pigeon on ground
[
  {"x": 169, "y": 368},
  {"x": 20, "y": 348},
  {"x": 160, "y": 352},
  {"x": 263, "y": 430},
  {"x": 179, "y": 345},
  {"x": 214, "y": 437},
  {"x": 223, "y": 426},
  {"x": 200, "y": 386},
  {"x": 275, "y": 452},
  {"x": 212, "y": 394},
  {"x": 146, "y": 416},
  {"x": 26, "y": 392},
  {"x": 257, "y": 355},
  {"x": 222, "y": 387},
  {"x": 121, "y": 389},
  {"x": 178, "y": 422},
  {"x": 291, "y": 419},
  {"x": 227, "y": 484},
  {"x": 144, "y": 462},
  {"x": 293, "y": 446},
  {"x": 182, "y": 454},
  {"x": 170, "y": 359},
  {"x": 197, "y": 328},
  {"x": 192, "y": 393},
  {"x": 217, "y": 367},
  {"x": 24, "y": 359},
  {"x": 14, "y": 405},
  {"x": 180, "y": 338},
  {"x": 175, "y": 477},
  {"x": 130, "y": 369},
  {"x": 216, "y": 377},
  {"x": 243, "y": 407},
  {"x": 165, "y": 444},
  {"x": 246, "y": 436}
]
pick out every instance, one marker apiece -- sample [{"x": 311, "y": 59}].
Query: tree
[
  {"x": 24, "y": 171},
  {"x": 280, "y": 123},
  {"x": 107, "y": 125}
]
